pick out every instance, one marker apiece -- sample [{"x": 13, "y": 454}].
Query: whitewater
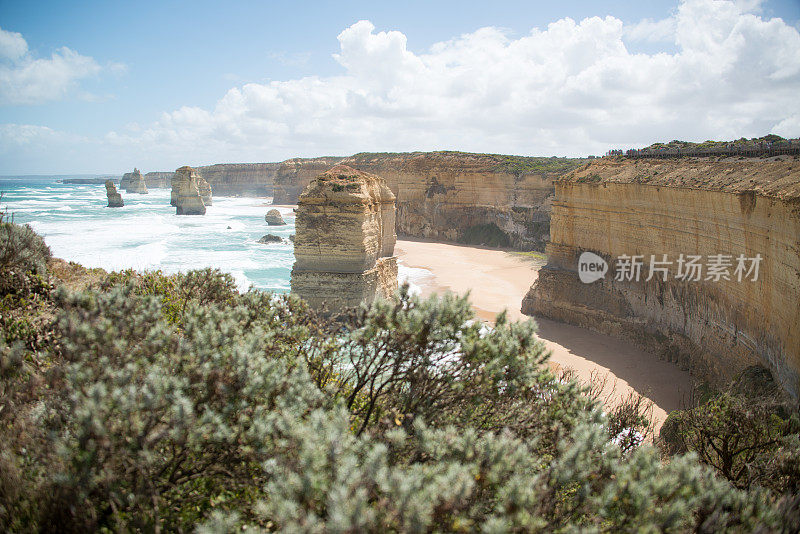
[{"x": 146, "y": 234}]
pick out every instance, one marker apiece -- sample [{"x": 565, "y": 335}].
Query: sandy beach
[{"x": 498, "y": 280}]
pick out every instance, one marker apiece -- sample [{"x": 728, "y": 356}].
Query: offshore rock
[
  {"x": 274, "y": 218},
  {"x": 114, "y": 198},
  {"x": 615, "y": 207},
  {"x": 185, "y": 193},
  {"x": 133, "y": 182},
  {"x": 344, "y": 241},
  {"x": 270, "y": 238},
  {"x": 204, "y": 188}
]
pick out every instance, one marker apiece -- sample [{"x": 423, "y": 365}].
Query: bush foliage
[{"x": 176, "y": 403}]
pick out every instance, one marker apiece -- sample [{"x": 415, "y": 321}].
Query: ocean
[{"x": 146, "y": 234}]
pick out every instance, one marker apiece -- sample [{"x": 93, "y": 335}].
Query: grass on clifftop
[{"x": 502, "y": 163}]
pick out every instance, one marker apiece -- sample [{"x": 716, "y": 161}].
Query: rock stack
[
  {"x": 274, "y": 218},
  {"x": 344, "y": 241},
  {"x": 185, "y": 195},
  {"x": 114, "y": 198},
  {"x": 204, "y": 188},
  {"x": 133, "y": 182}
]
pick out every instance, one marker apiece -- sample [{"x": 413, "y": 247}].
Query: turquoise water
[{"x": 146, "y": 234}]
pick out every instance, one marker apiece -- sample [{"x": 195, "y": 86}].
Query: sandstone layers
[
  {"x": 204, "y": 188},
  {"x": 344, "y": 240},
  {"x": 615, "y": 207},
  {"x": 240, "y": 179},
  {"x": 455, "y": 196},
  {"x": 158, "y": 179},
  {"x": 133, "y": 182},
  {"x": 114, "y": 198},
  {"x": 185, "y": 194}
]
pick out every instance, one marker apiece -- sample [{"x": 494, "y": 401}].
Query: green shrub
[{"x": 22, "y": 253}]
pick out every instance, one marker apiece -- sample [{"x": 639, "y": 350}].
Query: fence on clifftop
[{"x": 752, "y": 149}]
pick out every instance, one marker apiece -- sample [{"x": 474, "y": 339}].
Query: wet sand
[{"x": 498, "y": 280}]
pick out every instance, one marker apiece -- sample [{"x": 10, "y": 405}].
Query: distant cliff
[
  {"x": 240, "y": 179},
  {"x": 469, "y": 198},
  {"x": 158, "y": 179},
  {"x": 293, "y": 175},
  {"x": 653, "y": 208}
]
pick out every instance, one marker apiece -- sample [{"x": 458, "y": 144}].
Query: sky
[{"x": 101, "y": 87}]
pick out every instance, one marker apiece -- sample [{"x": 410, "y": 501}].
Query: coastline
[{"x": 498, "y": 279}]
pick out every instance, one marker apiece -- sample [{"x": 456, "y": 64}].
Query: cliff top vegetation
[{"x": 493, "y": 162}]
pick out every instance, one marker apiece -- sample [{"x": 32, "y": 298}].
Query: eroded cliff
[
  {"x": 158, "y": 179},
  {"x": 659, "y": 210},
  {"x": 133, "y": 182},
  {"x": 470, "y": 198},
  {"x": 293, "y": 176},
  {"x": 240, "y": 179},
  {"x": 185, "y": 194},
  {"x": 344, "y": 240}
]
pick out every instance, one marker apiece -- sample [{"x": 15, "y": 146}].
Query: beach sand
[{"x": 498, "y": 280}]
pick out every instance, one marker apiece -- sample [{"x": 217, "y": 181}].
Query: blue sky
[{"x": 160, "y": 84}]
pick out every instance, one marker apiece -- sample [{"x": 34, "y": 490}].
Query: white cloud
[
  {"x": 651, "y": 31},
  {"x": 28, "y": 80},
  {"x": 571, "y": 88}
]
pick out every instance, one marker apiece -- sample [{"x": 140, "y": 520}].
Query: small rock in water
[
  {"x": 273, "y": 218},
  {"x": 269, "y": 238},
  {"x": 229, "y": 228}
]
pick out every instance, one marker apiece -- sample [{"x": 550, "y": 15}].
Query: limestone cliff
[
  {"x": 618, "y": 207},
  {"x": 158, "y": 179},
  {"x": 470, "y": 198},
  {"x": 133, "y": 182},
  {"x": 187, "y": 199},
  {"x": 240, "y": 179},
  {"x": 344, "y": 240},
  {"x": 293, "y": 176},
  {"x": 204, "y": 188},
  {"x": 114, "y": 198}
]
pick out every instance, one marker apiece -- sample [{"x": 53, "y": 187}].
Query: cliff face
[
  {"x": 470, "y": 198},
  {"x": 240, "y": 179},
  {"x": 293, "y": 176},
  {"x": 133, "y": 182},
  {"x": 344, "y": 240},
  {"x": 185, "y": 193},
  {"x": 158, "y": 179},
  {"x": 618, "y": 207}
]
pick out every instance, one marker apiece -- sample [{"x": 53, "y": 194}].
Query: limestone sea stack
[
  {"x": 133, "y": 182},
  {"x": 344, "y": 240},
  {"x": 204, "y": 188},
  {"x": 187, "y": 197},
  {"x": 274, "y": 218},
  {"x": 114, "y": 198}
]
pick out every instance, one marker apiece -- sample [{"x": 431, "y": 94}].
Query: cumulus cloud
[
  {"x": 28, "y": 80},
  {"x": 571, "y": 88}
]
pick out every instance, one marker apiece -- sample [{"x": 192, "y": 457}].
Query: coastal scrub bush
[
  {"x": 22, "y": 253},
  {"x": 246, "y": 409},
  {"x": 411, "y": 358},
  {"x": 748, "y": 440}
]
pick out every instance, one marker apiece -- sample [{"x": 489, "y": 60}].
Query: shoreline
[{"x": 499, "y": 279}]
